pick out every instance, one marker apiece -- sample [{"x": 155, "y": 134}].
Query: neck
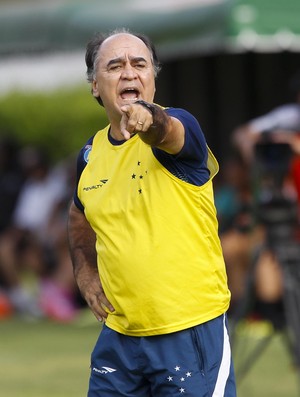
[{"x": 115, "y": 133}]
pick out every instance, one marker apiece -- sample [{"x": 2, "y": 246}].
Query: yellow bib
[{"x": 159, "y": 254}]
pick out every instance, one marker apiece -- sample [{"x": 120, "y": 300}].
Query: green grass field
[
  {"x": 43, "y": 359},
  {"x": 52, "y": 360}
]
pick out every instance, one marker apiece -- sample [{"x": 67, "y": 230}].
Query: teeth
[{"x": 129, "y": 89}]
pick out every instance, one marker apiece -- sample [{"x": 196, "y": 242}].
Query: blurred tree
[{"x": 60, "y": 121}]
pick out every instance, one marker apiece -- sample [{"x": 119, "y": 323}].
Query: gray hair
[{"x": 92, "y": 51}]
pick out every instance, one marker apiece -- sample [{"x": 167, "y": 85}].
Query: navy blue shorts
[{"x": 195, "y": 362}]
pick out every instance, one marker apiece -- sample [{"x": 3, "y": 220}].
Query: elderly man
[{"x": 144, "y": 239}]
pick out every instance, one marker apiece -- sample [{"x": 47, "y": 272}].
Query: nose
[{"x": 128, "y": 72}]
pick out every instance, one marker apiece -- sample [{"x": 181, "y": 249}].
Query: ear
[{"x": 95, "y": 90}]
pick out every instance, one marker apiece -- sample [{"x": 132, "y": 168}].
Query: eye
[
  {"x": 140, "y": 65},
  {"x": 114, "y": 68}
]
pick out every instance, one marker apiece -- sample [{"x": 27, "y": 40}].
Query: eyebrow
[{"x": 121, "y": 59}]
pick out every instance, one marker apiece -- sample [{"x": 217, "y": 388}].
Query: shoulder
[
  {"x": 287, "y": 109},
  {"x": 181, "y": 114},
  {"x": 85, "y": 151},
  {"x": 286, "y": 117}
]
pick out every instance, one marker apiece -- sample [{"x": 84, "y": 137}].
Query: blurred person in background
[
  {"x": 279, "y": 126},
  {"x": 143, "y": 237},
  {"x": 234, "y": 203},
  {"x": 35, "y": 241},
  {"x": 232, "y": 191},
  {"x": 11, "y": 181}
]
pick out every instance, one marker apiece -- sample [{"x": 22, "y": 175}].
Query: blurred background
[{"x": 227, "y": 62}]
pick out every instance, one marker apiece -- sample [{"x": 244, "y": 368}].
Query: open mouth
[{"x": 130, "y": 94}]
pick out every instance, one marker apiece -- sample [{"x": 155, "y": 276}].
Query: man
[
  {"x": 276, "y": 173},
  {"x": 281, "y": 125},
  {"x": 144, "y": 199}
]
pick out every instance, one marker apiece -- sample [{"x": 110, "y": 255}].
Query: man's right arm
[
  {"x": 244, "y": 138},
  {"x": 84, "y": 258},
  {"x": 282, "y": 125}
]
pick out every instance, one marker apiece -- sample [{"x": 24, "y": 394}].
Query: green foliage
[{"x": 59, "y": 121}]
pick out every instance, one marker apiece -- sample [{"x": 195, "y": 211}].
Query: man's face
[{"x": 125, "y": 73}]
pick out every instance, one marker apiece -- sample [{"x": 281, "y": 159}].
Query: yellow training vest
[{"x": 159, "y": 254}]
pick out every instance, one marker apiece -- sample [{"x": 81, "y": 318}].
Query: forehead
[{"x": 121, "y": 45}]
